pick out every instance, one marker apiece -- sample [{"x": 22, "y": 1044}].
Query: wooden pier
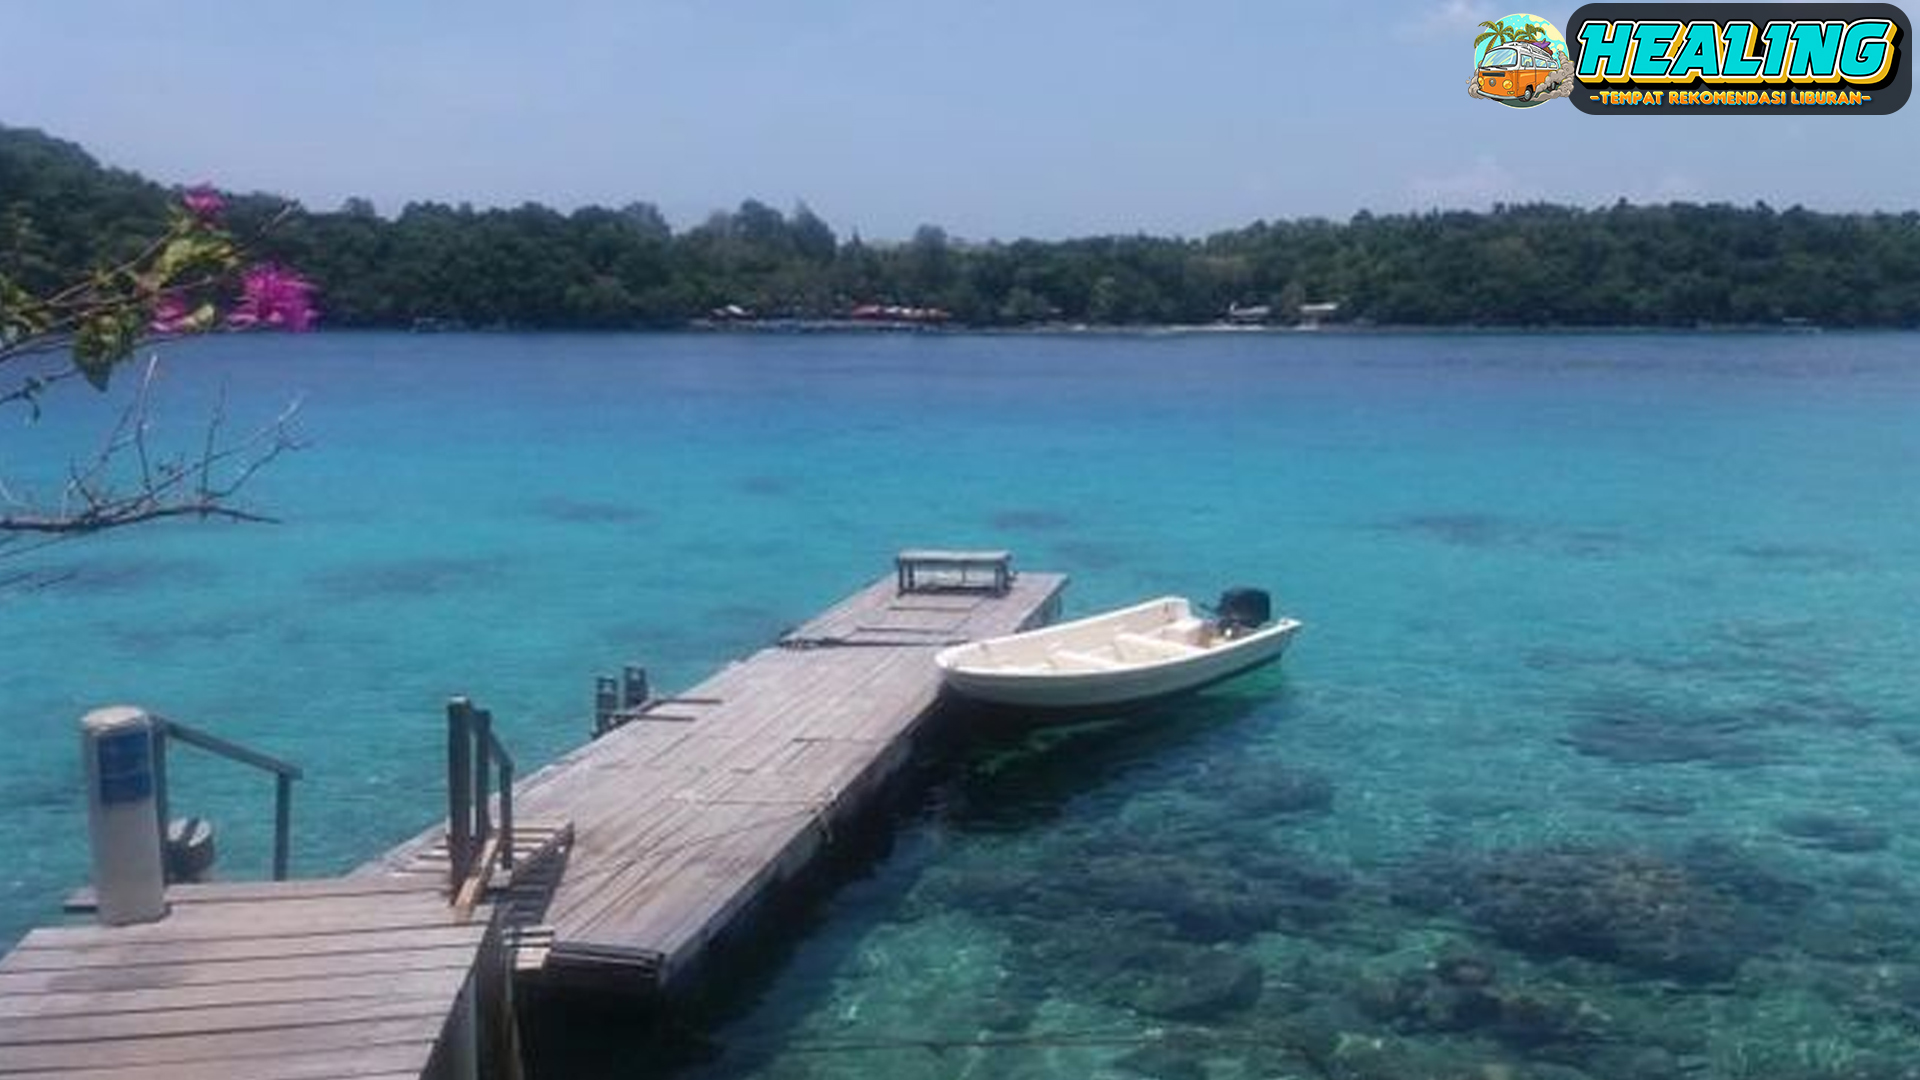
[
  {"x": 617, "y": 868},
  {"x": 693, "y": 810},
  {"x": 255, "y": 981}
]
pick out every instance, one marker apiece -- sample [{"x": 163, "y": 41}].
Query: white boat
[{"x": 1133, "y": 654}]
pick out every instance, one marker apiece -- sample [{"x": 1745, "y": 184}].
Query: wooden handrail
[
  {"x": 499, "y": 752},
  {"x": 475, "y": 760},
  {"x": 459, "y": 791},
  {"x": 284, "y": 774},
  {"x": 233, "y": 751}
]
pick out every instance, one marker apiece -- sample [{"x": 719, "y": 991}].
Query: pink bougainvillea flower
[
  {"x": 203, "y": 202},
  {"x": 273, "y": 296},
  {"x": 171, "y": 316}
]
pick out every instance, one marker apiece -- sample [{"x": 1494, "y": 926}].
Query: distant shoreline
[
  {"x": 1516, "y": 268},
  {"x": 773, "y": 327}
]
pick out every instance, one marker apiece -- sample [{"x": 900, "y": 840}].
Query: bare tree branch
[
  {"x": 125, "y": 483},
  {"x": 172, "y": 288},
  {"x": 116, "y": 514},
  {"x": 33, "y": 386}
]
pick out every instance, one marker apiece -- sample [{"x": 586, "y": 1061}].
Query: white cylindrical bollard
[{"x": 129, "y": 882}]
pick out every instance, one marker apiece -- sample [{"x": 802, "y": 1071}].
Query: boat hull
[{"x": 969, "y": 670}]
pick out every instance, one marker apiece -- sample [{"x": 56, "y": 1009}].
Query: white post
[{"x": 129, "y": 879}]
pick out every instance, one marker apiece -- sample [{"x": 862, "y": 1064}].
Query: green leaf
[
  {"x": 91, "y": 355},
  {"x": 104, "y": 340},
  {"x": 179, "y": 253},
  {"x": 21, "y": 313}
]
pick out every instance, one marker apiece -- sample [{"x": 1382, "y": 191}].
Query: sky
[{"x": 994, "y": 119}]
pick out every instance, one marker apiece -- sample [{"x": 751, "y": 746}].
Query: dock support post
[
  {"x": 129, "y": 871},
  {"x": 459, "y": 792},
  {"x": 606, "y": 702},
  {"x": 481, "y": 722},
  {"x": 506, "y": 819},
  {"x": 282, "y": 824},
  {"x": 634, "y": 690}
]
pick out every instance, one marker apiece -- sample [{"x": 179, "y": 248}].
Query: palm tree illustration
[{"x": 1499, "y": 33}]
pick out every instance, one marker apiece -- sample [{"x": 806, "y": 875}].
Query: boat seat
[
  {"x": 1156, "y": 648},
  {"x": 1071, "y": 660},
  {"x": 1185, "y": 631}
]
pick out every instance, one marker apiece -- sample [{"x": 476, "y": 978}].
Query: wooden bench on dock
[{"x": 922, "y": 570}]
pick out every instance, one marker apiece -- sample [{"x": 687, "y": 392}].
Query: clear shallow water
[{"x": 1595, "y": 757}]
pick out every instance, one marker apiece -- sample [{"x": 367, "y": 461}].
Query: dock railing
[
  {"x": 170, "y": 731},
  {"x": 475, "y": 758}
]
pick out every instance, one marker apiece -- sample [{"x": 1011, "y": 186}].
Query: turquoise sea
[{"x": 1596, "y": 758}]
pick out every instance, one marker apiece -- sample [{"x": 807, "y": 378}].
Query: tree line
[{"x": 1675, "y": 264}]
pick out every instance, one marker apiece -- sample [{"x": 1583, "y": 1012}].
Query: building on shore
[
  {"x": 899, "y": 313},
  {"x": 1312, "y": 315}
]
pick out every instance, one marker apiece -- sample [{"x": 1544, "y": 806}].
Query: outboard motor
[{"x": 1241, "y": 610}]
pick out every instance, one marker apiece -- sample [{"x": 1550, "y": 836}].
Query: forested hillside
[{"x": 531, "y": 266}]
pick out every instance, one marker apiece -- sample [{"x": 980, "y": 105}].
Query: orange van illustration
[{"x": 1518, "y": 69}]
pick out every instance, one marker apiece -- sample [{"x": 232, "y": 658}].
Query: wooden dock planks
[
  {"x": 266, "y": 981},
  {"x": 681, "y": 824},
  {"x": 746, "y": 793}
]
